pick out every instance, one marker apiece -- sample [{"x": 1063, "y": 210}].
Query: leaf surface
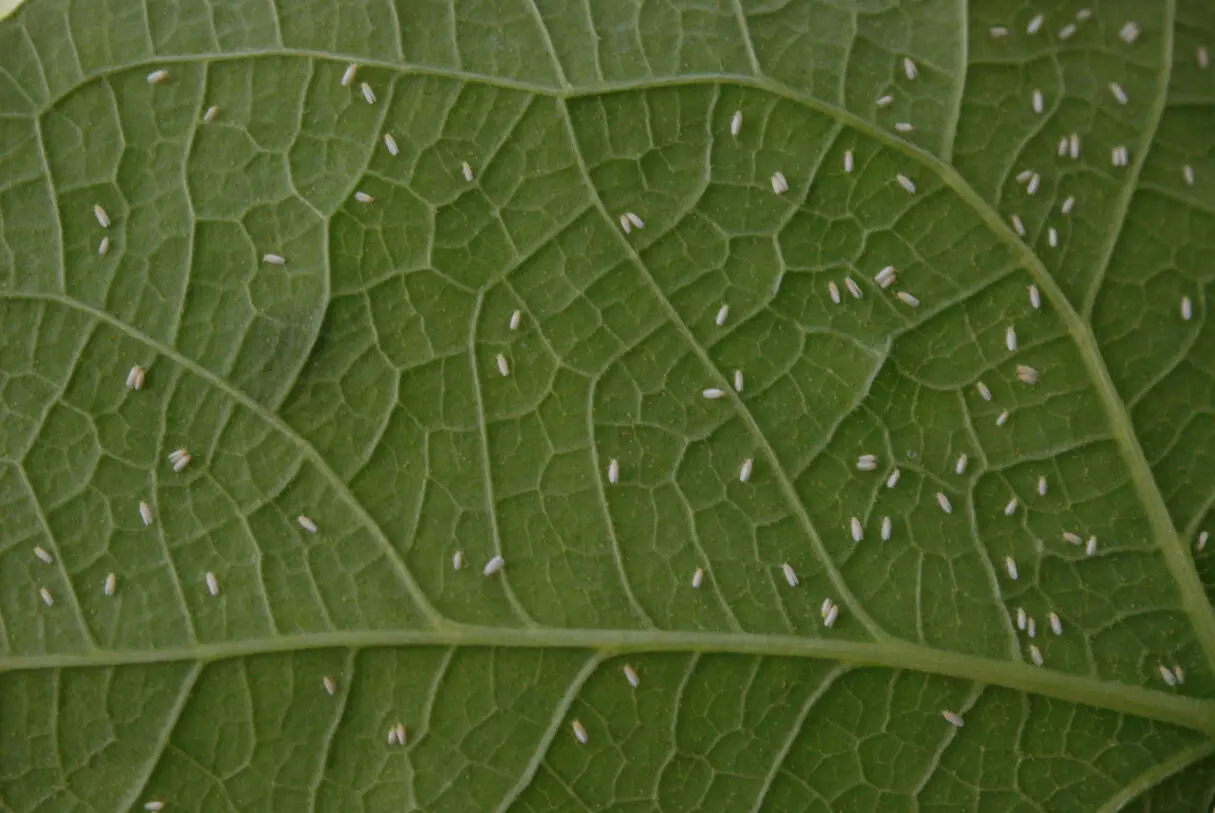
[{"x": 358, "y": 383}]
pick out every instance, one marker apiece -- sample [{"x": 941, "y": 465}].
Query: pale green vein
[
  {"x": 955, "y": 103},
  {"x": 140, "y": 783}
]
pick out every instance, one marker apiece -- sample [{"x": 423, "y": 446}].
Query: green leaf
[{"x": 358, "y": 384}]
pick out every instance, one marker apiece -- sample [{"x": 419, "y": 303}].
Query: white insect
[
  {"x": 1024, "y": 175},
  {"x": 399, "y": 730},
  {"x": 157, "y": 76},
  {"x": 867, "y": 462},
  {"x": 1187, "y": 173},
  {"x": 180, "y": 459},
  {"x": 630, "y": 674},
  {"x": 1035, "y": 297},
  {"x": 212, "y": 583},
  {"x": 102, "y": 217},
  {"x": 1035, "y": 655},
  {"x": 909, "y": 68},
  {"x": 826, "y": 608},
  {"x": 467, "y": 171},
  {"x": 943, "y": 501},
  {"x": 1018, "y": 225},
  {"x": 1203, "y": 58},
  {"x": 952, "y": 718},
  {"x": 723, "y": 313},
  {"x": 306, "y": 523},
  {"x": 834, "y": 291},
  {"x": 634, "y": 220},
  {"x": 1021, "y": 618},
  {"x": 210, "y": 113},
  {"x": 848, "y": 161},
  {"x": 1010, "y": 338},
  {"x": 744, "y": 473},
  {"x": 885, "y": 278},
  {"x": 1179, "y": 672},
  {"x": 698, "y": 578},
  {"x": 145, "y": 513},
  {"x": 1063, "y": 146},
  {"x": 1042, "y": 485},
  {"x": 779, "y": 184},
  {"x": 1168, "y": 676},
  {"x": 908, "y": 299},
  {"x": 1052, "y": 237},
  {"x": 1129, "y": 32},
  {"x": 1068, "y": 205},
  {"x": 1010, "y": 507},
  {"x": 1031, "y": 628},
  {"x": 960, "y": 466},
  {"x": 457, "y": 560},
  {"x": 738, "y": 381},
  {"x": 984, "y": 392},
  {"x": 47, "y": 598},
  {"x": 853, "y": 288},
  {"x": 516, "y": 319},
  {"x": 1090, "y": 547},
  {"x": 832, "y": 615},
  {"x": 613, "y": 471},
  {"x": 1119, "y": 156},
  {"x": 1202, "y": 541},
  {"x": 713, "y": 393},
  {"x": 904, "y": 126},
  {"x": 1039, "y": 102},
  {"x": 1027, "y": 374},
  {"x": 273, "y": 259},
  {"x": 330, "y": 685},
  {"x": 363, "y": 197},
  {"x": 998, "y": 32},
  {"x": 790, "y": 574},
  {"x": 1066, "y": 31},
  {"x": 392, "y": 735},
  {"x": 103, "y": 248},
  {"x": 887, "y": 528},
  {"x": 1119, "y": 94},
  {"x": 858, "y": 530},
  {"x": 494, "y": 565},
  {"x": 1011, "y": 566},
  {"x": 885, "y": 101},
  {"x": 626, "y": 225},
  {"x": 390, "y": 144},
  {"x": 135, "y": 378},
  {"x": 1035, "y": 181},
  {"x": 1083, "y": 14},
  {"x": 111, "y": 584},
  {"x": 1071, "y": 538},
  {"x": 1187, "y": 308},
  {"x": 368, "y": 93},
  {"x": 1002, "y": 418},
  {"x": 1056, "y": 626},
  {"x": 1035, "y": 25},
  {"x": 503, "y": 365},
  {"x": 154, "y": 805},
  {"x": 43, "y": 554},
  {"x": 736, "y": 123},
  {"x": 893, "y": 479},
  {"x": 906, "y": 183},
  {"x": 1073, "y": 146},
  {"x": 348, "y": 75},
  {"x": 580, "y": 732}
]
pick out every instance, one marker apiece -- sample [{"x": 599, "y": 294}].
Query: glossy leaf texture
[{"x": 471, "y": 304}]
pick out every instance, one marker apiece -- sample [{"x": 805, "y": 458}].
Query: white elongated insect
[
  {"x": 905, "y": 182},
  {"x": 47, "y": 598},
  {"x": 1035, "y": 297},
  {"x": 1090, "y": 547},
  {"x": 630, "y": 674},
  {"x": 1187, "y": 174},
  {"x": 866, "y": 462},
  {"x": 834, "y": 291},
  {"x": 1063, "y": 146},
  {"x": 909, "y": 299},
  {"x": 145, "y": 513},
  {"x": 826, "y": 608},
  {"x": 396, "y": 735},
  {"x": 368, "y": 93},
  {"x": 1119, "y": 156},
  {"x": 952, "y": 718},
  {"x": 330, "y": 685},
  {"x": 1042, "y": 485},
  {"x": 713, "y": 393},
  {"x": 44, "y": 555},
  {"x": 392, "y": 735},
  {"x": 1010, "y": 507},
  {"x": 1035, "y": 655},
  {"x": 698, "y": 578},
  {"x": 984, "y": 392},
  {"x": 738, "y": 381},
  {"x": 516, "y": 319},
  {"x": 1052, "y": 237},
  {"x": 1024, "y": 175},
  {"x": 960, "y": 466},
  {"x": 885, "y": 101},
  {"x": 1073, "y": 146},
  {"x": 613, "y": 471},
  {"x": 998, "y": 32},
  {"x": 1056, "y": 626},
  {"x": 1065, "y": 33},
  {"x": 626, "y": 225},
  {"x": 1027, "y": 374},
  {"x": 1021, "y": 618},
  {"x": 1129, "y": 32},
  {"x": 212, "y": 583},
  {"x": 102, "y": 217},
  {"x": 853, "y": 288},
  {"x": 943, "y": 501},
  {"x": 580, "y": 732},
  {"x": 103, "y": 248},
  {"x": 858, "y": 530},
  {"x": 736, "y": 123},
  {"x": 780, "y": 185},
  {"x": 155, "y": 804},
  {"x": 909, "y": 68},
  {"x": 390, "y": 144},
  {"x": 180, "y": 464},
  {"x": 790, "y": 574},
  {"x": 832, "y": 615},
  {"x": 893, "y": 479},
  {"x": 1071, "y": 538},
  {"x": 744, "y": 473},
  {"x": 887, "y": 528},
  {"x": 1035, "y": 181},
  {"x": 885, "y": 278},
  {"x": 457, "y": 560},
  {"x": 111, "y": 584},
  {"x": 1187, "y": 308},
  {"x": 306, "y": 523},
  {"x": 494, "y": 565},
  {"x": 1118, "y": 93},
  {"x": 1018, "y": 225},
  {"x": 1010, "y": 338},
  {"x": 1202, "y": 57},
  {"x": 1031, "y": 627},
  {"x": 1068, "y": 205},
  {"x": 1167, "y": 676},
  {"x": 467, "y": 170},
  {"x": 723, "y": 313},
  {"x": 848, "y": 161},
  {"x": 157, "y": 76},
  {"x": 1039, "y": 103},
  {"x": 210, "y": 113},
  {"x": 1035, "y": 25},
  {"x": 363, "y": 197},
  {"x": 1010, "y": 565},
  {"x": 348, "y": 75},
  {"x": 1002, "y": 418},
  {"x": 503, "y": 365},
  {"x": 904, "y": 126},
  {"x": 1201, "y": 544},
  {"x": 1083, "y": 14},
  {"x": 273, "y": 259},
  {"x": 135, "y": 378},
  {"x": 1179, "y": 673}
]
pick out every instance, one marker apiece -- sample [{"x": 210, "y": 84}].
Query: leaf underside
[{"x": 358, "y": 383}]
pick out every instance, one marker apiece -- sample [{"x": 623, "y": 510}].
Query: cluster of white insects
[{"x": 1069, "y": 146}]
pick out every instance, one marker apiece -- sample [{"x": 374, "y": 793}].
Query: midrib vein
[{"x": 1121, "y": 698}]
